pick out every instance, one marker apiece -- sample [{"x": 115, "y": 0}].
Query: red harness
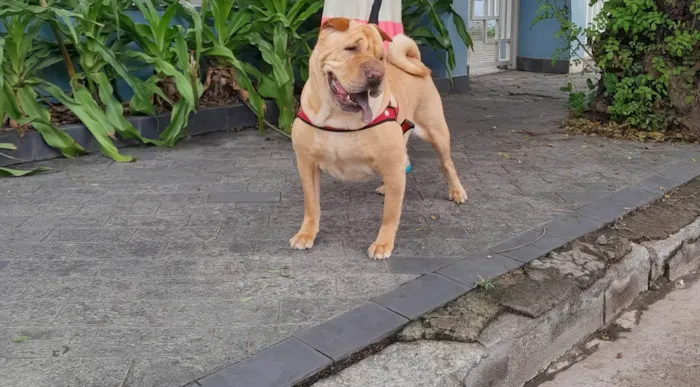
[{"x": 391, "y": 113}]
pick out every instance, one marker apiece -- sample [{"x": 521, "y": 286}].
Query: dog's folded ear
[
  {"x": 337, "y": 23},
  {"x": 384, "y": 35}
]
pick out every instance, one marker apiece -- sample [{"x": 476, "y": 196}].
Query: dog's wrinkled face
[{"x": 352, "y": 58}]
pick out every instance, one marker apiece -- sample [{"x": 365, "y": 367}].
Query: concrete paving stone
[
  {"x": 103, "y": 234},
  {"x": 66, "y": 198},
  {"x": 250, "y": 340},
  {"x": 256, "y": 311},
  {"x": 295, "y": 218},
  {"x": 223, "y": 250},
  {"x": 133, "y": 268},
  {"x": 432, "y": 232},
  {"x": 418, "y": 265},
  {"x": 129, "y": 250},
  {"x": 12, "y": 288},
  {"x": 183, "y": 288},
  {"x": 109, "y": 208},
  {"x": 30, "y": 235},
  {"x": 275, "y": 283},
  {"x": 139, "y": 221},
  {"x": 40, "y": 251},
  {"x": 684, "y": 170},
  {"x": 314, "y": 310},
  {"x": 477, "y": 267},
  {"x": 357, "y": 328},
  {"x": 28, "y": 312},
  {"x": 45, "y": 342},
  {"x": 243, "y": 197},
  {"x": 459, "y": 248},
  {"x": 605, "y": 210},
  {"x": 282, "y": 364},
  {"x": 51, "y": 268},
  {"x": 41, "y": 221},
  {"x": 177, "y": 234},
  {"x": 111, "y": 198},
  {"x": 229, "y": 220},
  {"x": 172, "y": 198},
  {"x": 582, "y": 197},
  {"x": 124, "y": 342},
  {"x": 12, "y": 221},
  {"x": 38, "y": 209},
  {"x": 404, "y": 247},
  {"x": 139, "y": 188},
  {"x": 572, "y": 226},
  {"x": 172, "y": 371},
  {"x": 134, "y": 313},
  {"x": 274, "y": 233},
  {"x": 659, "y": 183},
  {"x": 364, "y": 285},
  {"x": 528, "y": 246},
  {"x": 216, "y": 210},
  {"x": 71, "y": 288},
  {"x": 60, "y": 372},
  {"x": 239, "y": 186},
  {"x": 421, "y": 295}
]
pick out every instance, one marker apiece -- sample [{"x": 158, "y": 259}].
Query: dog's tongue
[{"x": 363, "y": 100}]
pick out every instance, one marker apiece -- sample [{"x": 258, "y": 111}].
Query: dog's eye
[
  {"x": 351, "y": 48},
  {"x": 381, "y": 57}
]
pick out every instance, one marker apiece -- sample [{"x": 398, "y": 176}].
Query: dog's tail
[{"x": 404, "y": 54}]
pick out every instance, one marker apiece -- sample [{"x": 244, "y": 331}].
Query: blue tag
[{"x": 409, "y": 167}]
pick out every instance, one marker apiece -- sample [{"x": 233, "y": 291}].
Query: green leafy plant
[
  {"x": 647, "y": 61},
  {"x": 11, "y": 172},
  {"x": 23, "y": 56},
  {"x": 163, "y": 45},
  {"x": 435, "y": 36},
  {"x": 278, "y": 36},
  {"x": 223, "y": 42}
]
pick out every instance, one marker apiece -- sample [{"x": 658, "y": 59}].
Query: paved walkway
[
  {"x": 664, "y": 350},
  {"x": 157, "y": 272}
]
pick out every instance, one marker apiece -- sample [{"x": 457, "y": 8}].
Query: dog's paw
[
  {"x": 302, "y": 241},
  {"x": 380, "y": 190},
  {"x": 380, "y": 250},
  {"x": 458, "y": 195}
]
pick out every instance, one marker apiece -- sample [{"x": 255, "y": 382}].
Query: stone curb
[
  {"x": 207, "y": 120},
  {"x": 331, "y": 345}
]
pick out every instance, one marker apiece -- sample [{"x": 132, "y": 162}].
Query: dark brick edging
[
  {"x": 332, "y": 344},
  {"x": 207, "y": 120}
]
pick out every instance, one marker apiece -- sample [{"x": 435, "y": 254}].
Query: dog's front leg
[
  {"x": 394, "y": 188},
  {"x": 311, "y": 183}
]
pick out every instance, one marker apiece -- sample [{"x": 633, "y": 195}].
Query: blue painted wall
[
  {"x": 432, "y": 59},
  {"x": 538, "y": 41}
]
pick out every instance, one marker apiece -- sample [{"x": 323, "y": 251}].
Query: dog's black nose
[{"x": 374, "y": 76}]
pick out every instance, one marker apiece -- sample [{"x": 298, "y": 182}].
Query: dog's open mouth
[{"x": 351, "y": 102}]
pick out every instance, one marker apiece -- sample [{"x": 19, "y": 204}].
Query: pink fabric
[{"x": 391, "y": 28}]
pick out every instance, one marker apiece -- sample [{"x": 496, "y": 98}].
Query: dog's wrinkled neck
[{"x": 318, "y": 102}]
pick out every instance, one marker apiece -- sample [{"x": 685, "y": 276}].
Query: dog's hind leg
[{"x": 433, "y": 129}]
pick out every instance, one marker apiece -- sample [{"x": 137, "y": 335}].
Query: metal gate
[{"x": 499, "y": 21}]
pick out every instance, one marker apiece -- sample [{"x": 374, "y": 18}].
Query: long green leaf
[
  {"x": 92, "y": 116},
  {"x": 270, "y": 56},
  {"x": 178, "y": 122},
  {"x": 41, "y": 121},
  {"x": 141, "y": 90},
  {"x": 7, "y": 146},
  {"x": 115, "y": 112},
  {"x": 9, "y": 172}
]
